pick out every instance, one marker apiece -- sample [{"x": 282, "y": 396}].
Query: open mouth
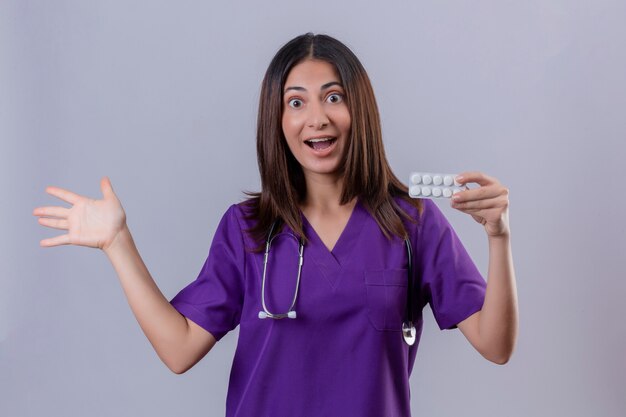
[{"x": 320, "y": 143}]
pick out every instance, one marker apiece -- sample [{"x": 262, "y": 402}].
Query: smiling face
[{"x": 316, "y": 118}]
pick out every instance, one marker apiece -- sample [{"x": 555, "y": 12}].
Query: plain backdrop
[{"x": 162, "y": 97}]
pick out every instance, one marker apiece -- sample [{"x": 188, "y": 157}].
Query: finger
[
  {"x": 63, "y": 194},
  {"x": 56, "y": 241},
  {"x": 107, "y": 189},
  {"x": 476, "y": 177},
  {"x": 480, "y": 193},
  {"x": 472, "y": 206},
  {"x": 51, "y": 211},
  {"x": 55, "y": 223}
]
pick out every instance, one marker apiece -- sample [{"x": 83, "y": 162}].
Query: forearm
[
  {"x": 163, "y": 325},
  {"x": 498, "y": 323}
]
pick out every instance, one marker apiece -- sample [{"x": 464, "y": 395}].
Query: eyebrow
[{"x": 324, "y": 87}]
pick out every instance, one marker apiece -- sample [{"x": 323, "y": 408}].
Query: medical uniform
[{"x": 344, "y": 354}]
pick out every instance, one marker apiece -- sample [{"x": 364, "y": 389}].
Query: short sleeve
[
  {"x": 450, "y": 281},
  {"x": 214, "y": 300}
]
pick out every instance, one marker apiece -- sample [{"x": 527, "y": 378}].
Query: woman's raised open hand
[{"x": 89, "y": 222}]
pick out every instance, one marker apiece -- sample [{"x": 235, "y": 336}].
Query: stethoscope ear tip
[
  {"x": 262, "y": 315},
  {"x": 291, "y": 314}
]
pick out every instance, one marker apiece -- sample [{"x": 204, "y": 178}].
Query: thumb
[
  {"x": 479, "y": 219},
  {"x": 107, "y": 188}
]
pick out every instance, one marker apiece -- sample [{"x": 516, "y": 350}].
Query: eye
[
  {"x": 295, "y": 103},
  {"x": 335, "y": 98}
]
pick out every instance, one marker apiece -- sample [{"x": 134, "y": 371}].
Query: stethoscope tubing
[
  {"x": 291, "y": 313},
  {"x": 408, "y": 327}
]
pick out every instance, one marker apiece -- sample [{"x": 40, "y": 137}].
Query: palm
[
  {"x": 93, "y": 222},
  {"x": 89, "y": 222},
  {"x": 493, "y": 221}
]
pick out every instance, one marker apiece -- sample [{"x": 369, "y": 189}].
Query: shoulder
[
  {"x": 233, "y": 220},
  {"x": 241, "y": 218},
  {"x": 243, "y": 213},
  {"x": 407, "y": 207},
  {"x": 418, "y": 209},
  {"x": 425, "y": 220}
]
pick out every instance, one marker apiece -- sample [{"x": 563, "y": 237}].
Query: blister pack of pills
[{"x": 433, "y": 185}]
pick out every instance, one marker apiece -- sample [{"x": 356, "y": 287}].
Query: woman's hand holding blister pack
[
  {"x": 89, "y": 222},
  {"x": 487, "y": 204}
]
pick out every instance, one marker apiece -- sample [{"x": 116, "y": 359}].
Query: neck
[{"x": 323, "y": 192}]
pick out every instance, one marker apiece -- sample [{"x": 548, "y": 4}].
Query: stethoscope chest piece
[{"x": 408, "y": 332}]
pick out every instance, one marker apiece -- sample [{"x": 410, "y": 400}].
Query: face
[{"x": 316, "y": 119}]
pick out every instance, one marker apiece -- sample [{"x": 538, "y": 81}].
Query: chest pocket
[{"x": 386, "y": 298}]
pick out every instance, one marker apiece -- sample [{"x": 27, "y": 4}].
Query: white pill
[{"x": 434, "y": 185}]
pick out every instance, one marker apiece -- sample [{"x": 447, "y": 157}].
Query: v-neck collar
[{"x": 330, "y": 262}]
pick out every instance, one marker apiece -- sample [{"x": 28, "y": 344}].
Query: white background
[{"x": 162, "y": 97}]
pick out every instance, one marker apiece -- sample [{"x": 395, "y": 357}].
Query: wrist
[
  {"x": 499, "y": 237},
  {"x": 122, "y": 239}
]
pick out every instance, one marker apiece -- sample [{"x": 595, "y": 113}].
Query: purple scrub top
[{"x": 344, "y": 354}]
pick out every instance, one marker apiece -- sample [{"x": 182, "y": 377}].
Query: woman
[{"x": 346, "y": 245}]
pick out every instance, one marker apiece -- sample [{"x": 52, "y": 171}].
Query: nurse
[{"x": 337, "y": 218}]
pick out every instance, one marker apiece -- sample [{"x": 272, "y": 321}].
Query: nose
[{"x": 317, "y": 117}]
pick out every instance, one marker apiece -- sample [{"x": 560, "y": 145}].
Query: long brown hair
[{"x": 367, "y": 174}]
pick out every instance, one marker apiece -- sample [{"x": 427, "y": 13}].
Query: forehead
[{"x": 312, "y": 72}]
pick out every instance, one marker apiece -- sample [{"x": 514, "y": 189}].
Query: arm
[
  {"x": 101, "y": 224},
  {"x": 493, "y": 330},
  {"x": 179, "y": 342}
]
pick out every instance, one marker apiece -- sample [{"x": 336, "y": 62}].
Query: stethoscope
[{"x": 408, "y": 327}]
